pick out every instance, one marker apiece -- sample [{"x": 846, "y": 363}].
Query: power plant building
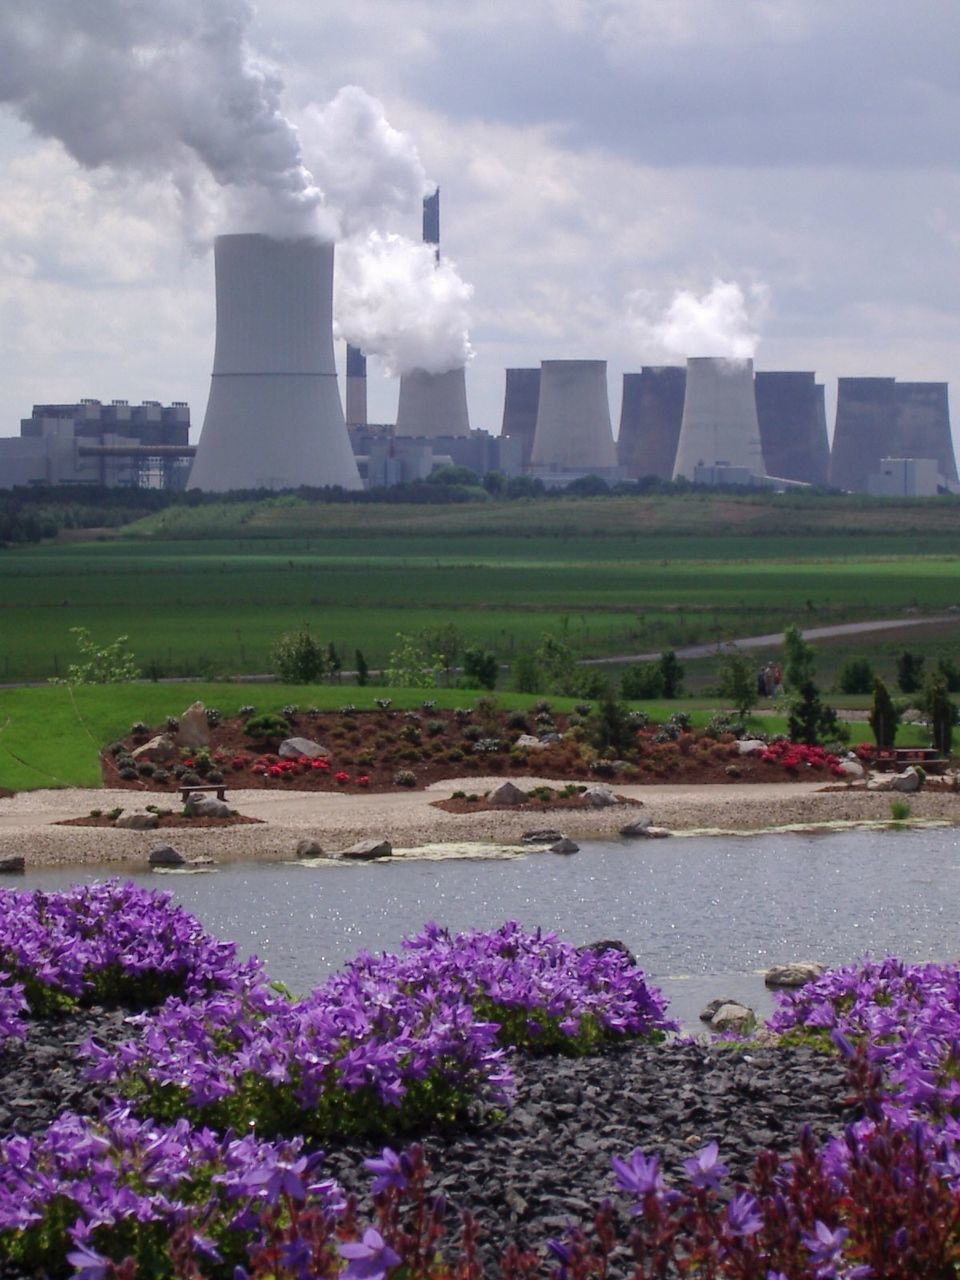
[
  {"x": 521, "y": 400},
  {"x": 793, "y": 426},
  {"x": 573, "y": 434},
  {"x": 356, "y": 397},
  {"x": 719, "y": 426},
  {"x": 433, "y": 404},
  {"x": 923, "y": 425},
  {"x": 274, "y": 417},
  {"x": 651, "y": 412}
]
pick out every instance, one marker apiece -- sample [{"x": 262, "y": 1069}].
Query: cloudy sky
[{"x": 596, "y": 159}]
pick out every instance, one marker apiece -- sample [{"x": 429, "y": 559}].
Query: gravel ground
[
  {"x": 410, "y": 821},
  {"x": 549, "y": 1160}
]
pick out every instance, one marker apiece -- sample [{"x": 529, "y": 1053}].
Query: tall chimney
[
  {"x": 650, "y": 415},
  {"x": 356, "y": 387},
  {"x": 274, "y": 418},
  {"x": 719, "y": 417},
  {"x": 865, "y": 430},
  {"x": 573, "y": 417},
  {"x": 520, "y": 402},
  {"x": 431, "y": 221},
  {"x": 923, "y": 424},
  {"x": 793, "y": 429}
]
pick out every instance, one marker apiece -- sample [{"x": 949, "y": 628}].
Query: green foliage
[
  {"x": 334, "y": 663},
  {"x": 453, "y": 475},
  {"x": 558, "y": 666},
  {"x": 671, "y": 673},
  {"x": 610, "y": 725},
  {"x": 799, "y": 660},
  {"x": 446, "y": 641},
  {"x": 941, "y": 713},
  {"x": 409, "y": 666},
  {"x": 525, "y": 674},
  {"x": 884, "y": 716},
  {"x": 856, "y": 676},
  {"x": 811, "y": 721},
  {"x": 738, "y": 681},
  {"x": 899, "y": 810},
  {"x": 950, "y": 672},
  {"x": 299, "y": 659},
  {"x": 480, "y": 669},
  {"x": 267, "y": 725},
  {"x": 363, "y": 670},
  {"x": 909, "y": 671},
  {"x": 107, "y": 664},
  {"x": 642, "y": 681}
]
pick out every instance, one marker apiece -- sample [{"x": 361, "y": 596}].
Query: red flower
[
  {"x": 363, "y": 780},
  {"x": 340, "y": 777}
]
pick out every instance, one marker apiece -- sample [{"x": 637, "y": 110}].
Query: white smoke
[
  {"x": 722, "y": 322},
  {"x": 395, "y": 301},
  {"x": 162, "y": 85}
]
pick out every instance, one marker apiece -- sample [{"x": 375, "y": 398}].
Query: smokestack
[
  {"x": 431, "y": 221},
  {"x": 719, "y": 417},
  {"x": 433, "y": 404},
  {"x": 573, "y": 417},
  {"x": 793, "y": 427},
  {"x": 865, "y": 430},
  {"x": 356, "y": 387},
  {"x": 274, "y": 418},
  {"x": 923, "y": 424},
  {"x": 520, "y": 402},
  {"x": 650, "y": 415}
]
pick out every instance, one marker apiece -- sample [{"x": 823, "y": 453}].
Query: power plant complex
[{"x": 275, "y": 420}]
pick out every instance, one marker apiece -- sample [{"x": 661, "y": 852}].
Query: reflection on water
[{"x": 704, "y": 916}]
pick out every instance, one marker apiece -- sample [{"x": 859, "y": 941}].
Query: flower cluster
[
  {"x": 269, "y": 766},
  {"x": 798, "y": 755},
  {"x": 107, "y": 942}
]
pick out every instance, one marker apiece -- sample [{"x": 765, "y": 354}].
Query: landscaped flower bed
[{"x": 204, "y": 1164}]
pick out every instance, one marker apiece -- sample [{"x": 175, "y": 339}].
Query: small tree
[
  {"x": 941, "y": 712},
  {"x": 410, "y": 667},
  {"x": 909, "y": 671},
  {"x": 642, "y": 680},
  {"x": 799, "y": 660},
  {"x": 107, "y": 664},
  {"x": 671, "y": 673},
  {"x": 525, "y": 673},
  {"x": 480, "y": 669},
  {"x": 883, "y": 717},
  {"x": 298, "y": 658},
  {"x": 856, "y": 676},
  {"x": 811, "y": 721},
  {"x": 738, "y": 682},
  {"x": 610, "y": 724},
  {"x": 446, "y": 642},
  {"x": 363, "y": 668},
  {"x": 557, "y": 665},
  {"x": 334, "y": 663}
]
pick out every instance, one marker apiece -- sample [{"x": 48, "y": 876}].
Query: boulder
[
  {"x": 797, "y": 974},
  {"x": 137, "y": 821},
  {"x": 733, "y": 1017},
  {"x": 14, "y": 864},
  {"x": 372, "y": 848},
  {"x": 194, "y": 731},
  {"x": 530, "y": 742},
  {"x": 750, "y": 746},
  {"x": 309, "y": 847},
  {"x": 852, "y": 769},
  {"x": 165, "y": 856},
  {"x": 599, "y": 797},
  {"x": 608, "y": 944},
  {"x": 658, "y": 833},
  {"x": 161, "y": 750},
  {"x": 507, "y": 793},
  {"x": 565, "y": 846},
  {"x": 202, "y": 806},
  {"x": 880, "y": 782},
  {"x": 638, "y": 827},
  {"x": 547, "y": 835},
  {"x": 907, "y": 782},
  {"x": 291, "y": 748},
  {"x": 707, "y": 1013}
]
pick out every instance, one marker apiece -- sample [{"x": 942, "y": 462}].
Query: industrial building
[
  {"x": 719, "y": 425},
  {"x": 793, "y": 426},
  {"x": 881, "y": 421},
  {"x": 433, "y": 404},
  {"x": 274, "y": 418},
  {"x": 573, "y": 436},
  {"x": 91, "y": 443},
  {"x": 521, "y": 400},
  {"x": 651, "y": 412}
]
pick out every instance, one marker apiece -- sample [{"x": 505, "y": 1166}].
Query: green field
[{"x": 610, "y": 576}]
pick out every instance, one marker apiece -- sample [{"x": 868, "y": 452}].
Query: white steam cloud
[
  {"x": 721, "y": 322},
  {"x": 393, "y": 300}
]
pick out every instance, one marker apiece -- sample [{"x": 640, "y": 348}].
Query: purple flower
[
  {"x": 743, "y": 1215},
  {"x": 639, "y": 1174},
  {"x": 705, "y": 1171},
  {"x": 87, "y": 1263},
  {"x": 370, "y": 1259},
  {"x": 824, "y": 1244},
  {"x": 392, "y": 1170}
]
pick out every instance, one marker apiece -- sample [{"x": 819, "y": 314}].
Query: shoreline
[{"x": 411, "y": 823}]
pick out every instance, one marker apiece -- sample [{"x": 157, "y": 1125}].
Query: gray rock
[
  {"x": 530, "y": 742},
  {"x": 309, "y": 847},
  {"x": 599, "y": 797},
  {"x": 165, "y": 856},
  {"x": 373, "y": 848},
  {"x": 291, "y": 748},
  {"x": 852, "y": 769},
  {"x": 609, "y": 944},
  {"x": 906, "y": 782},
  {"x": 160, "y": 750},
  {"x": 12, "y": 865},
  {"x": 879, "y": 782},
  {"x": 137, "y": 821},
  {"x": 750, "y": 746},
  {"x": 547, "y": 835},
  {"x": 194, "y": 731},
  {"x": 207, "y": 807},
  {"x": 658, "y": 833},
  {"x": 565, "y": 846},
  {"x": 547, "y": 738},
  {"x": 507, "y": 793},
  {"x": 707, "y": 1014},
  {"x": 733, "y": 1017},
  {"x": 797, "y": 974},
  {"x": 638, "y": 827}
]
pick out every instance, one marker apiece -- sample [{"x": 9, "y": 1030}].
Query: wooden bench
[
  {"x": 201, "y": 789},
  {"x": 928, "y": 758}
]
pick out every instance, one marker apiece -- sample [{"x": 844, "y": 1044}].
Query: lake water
[{"x": 705, "y": 916}]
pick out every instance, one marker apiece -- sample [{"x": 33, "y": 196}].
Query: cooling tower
[
  {"x": 433, "y": 404},
  {"x": 573, "y": 417},
  {"x": 520, "y": 402},
  {"x": 719, "y": 417},
  {"x": 793, "y": 427},
  {"x": 650, "y": 415},
  {"x": 274, "y": 418},
  {"x": 356, "y": 413},
  {"x": 923, "y": 424},
  {"x": 865, "y": 430}
]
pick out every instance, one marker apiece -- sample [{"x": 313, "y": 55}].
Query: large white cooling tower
[
  {"x": 573, "y": 416},
  {"x": 433, "y": 404},
  {"x": 274, "y": 418},
  {"x": 719, "y": 422}
]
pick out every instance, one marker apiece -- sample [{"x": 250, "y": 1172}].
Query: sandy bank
[{"x": 409, "y": 820}]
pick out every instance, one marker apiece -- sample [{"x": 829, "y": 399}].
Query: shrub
[
  {"x": 856, "y": 676},
  {"x": 129, "y": 774},
  {"x": 299, "y": 659},
  {"x": 267, "y": 725},
  {"x": 810, "y": 720},
  {"x": 671, "y": 674},
  {"x": 899, "y": 810},
  {"x": 246, "y": 711},
  {"x": 213, "y": 716},
  {"x": 883, "y": 716},
  {"x": 472, "y": 732},
  {"x": 146, "y": 768},
  {"x": 411, "y": 733},
  {"x": 173, "y": 722},
  {"x": 738, "y": 682},
  {"x": 942, "y": 714},
  {"x": 480, "y": 669},
  {"x": 190, "y": 779},
  {"x": 404, "y": 778},
  {"x": 640, "y": 681},
  {"x": 909, "y": 671},
  {"x": 161, "y": 776},
  {"x": 139, "y": 729},
  {"x": 435, "y": 728}
]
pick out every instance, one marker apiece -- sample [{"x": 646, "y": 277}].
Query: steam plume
[{"x": 722, "y": 322}]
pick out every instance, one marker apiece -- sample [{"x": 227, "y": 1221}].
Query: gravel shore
[{"x": 409, "y": 819}]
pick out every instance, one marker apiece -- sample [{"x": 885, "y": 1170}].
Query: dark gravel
[{"x": 549, "y": 1160}]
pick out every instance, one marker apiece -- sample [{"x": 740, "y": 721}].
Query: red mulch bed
[
  {"x": 165, "y": 822},
  {"x": 377, "y": 744}
]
